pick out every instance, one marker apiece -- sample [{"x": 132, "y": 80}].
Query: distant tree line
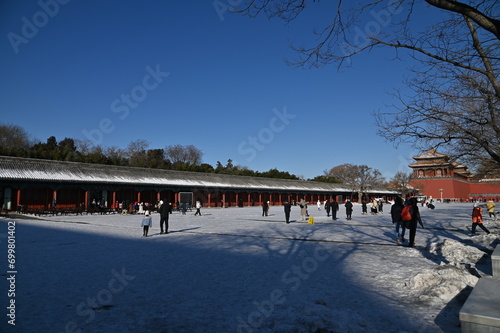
[{"x": 15, "y": 141}]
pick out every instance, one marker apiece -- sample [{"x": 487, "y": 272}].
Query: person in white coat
[{"x": 198, "y": 207}]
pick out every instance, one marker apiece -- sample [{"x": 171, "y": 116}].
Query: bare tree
[
  {"x": 456, "y": 91},
  {"x": 400, "y": 182},
  {"x": 358, "y": 178},
  {"x": 136, "y": 151},
  {"x": 14, "y": 140},
  {"x": 179, "y": 154}
]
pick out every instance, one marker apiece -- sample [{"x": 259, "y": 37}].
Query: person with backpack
[
  {"x": 477, "y": 220},
  {"x": 396, "y": 210},
  {"x": 411, "y": 216}
]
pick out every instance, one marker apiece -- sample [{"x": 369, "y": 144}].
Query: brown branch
[{"x": 490, "y": 24}]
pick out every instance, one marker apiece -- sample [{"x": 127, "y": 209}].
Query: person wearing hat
[
  {"x": 477, "y": 220},
  {"x": 147, "y": 222}
]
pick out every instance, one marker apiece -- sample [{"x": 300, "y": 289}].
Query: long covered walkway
[{"x": 45, "y": 184}]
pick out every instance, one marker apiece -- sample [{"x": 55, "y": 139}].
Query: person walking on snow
[
  {"x": 165, "y": 211},
  {"x": 288, "y": 208},
  {"x": 491, "y": 209},
  {"x": 327, "y": 208},
  {"x": 415, "y": 218},
  {"x": 318, "y": 204},
  {"x": 303, "y": 209},
  {"x": 348, "y": 209},
  {"x": 396, "y": 210},
  {"x": 334, "y": 206},
  {"x": 477, "y": 220},
  {"x": 265, "y": 208},
  {"x": 198, "y": 207},
  {"x": 147, "y": 221}
]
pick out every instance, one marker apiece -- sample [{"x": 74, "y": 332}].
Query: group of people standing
[
  {"x": 164, "y": 209},
  {"x": 330, "y": 206},
  {"x": 414, "y": 220}
]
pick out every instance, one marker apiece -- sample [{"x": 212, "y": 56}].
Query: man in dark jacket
[
  {"x": 165, "y": 210},
  {"x": 265, "y": 208},
  {"x": 334, "y": 206},
  {"x": 415, "y": 218},
  {"x": 287, "y": 208},
  {"x": 396, "y": 210},
  {"x": 348, "y": 209}
]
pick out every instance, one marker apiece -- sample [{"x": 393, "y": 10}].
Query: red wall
[{"x": 455, "y": 189}]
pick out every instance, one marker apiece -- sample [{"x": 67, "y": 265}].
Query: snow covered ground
[{"x": 233, "y": 270}]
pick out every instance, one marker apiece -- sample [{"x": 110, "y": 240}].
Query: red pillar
[
  {"x": 18, "y": 197},
  {"x": 86, "y": 198}
]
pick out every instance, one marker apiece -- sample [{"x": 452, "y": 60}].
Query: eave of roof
[{"x": 30, "y": 170}]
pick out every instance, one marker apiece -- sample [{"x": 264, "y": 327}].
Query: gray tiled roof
[{"x": 36, "y": 170}]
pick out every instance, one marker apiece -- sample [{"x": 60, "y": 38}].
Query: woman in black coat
[
  {"x": 415, "y": 218},
  {"x": 396, "y": 210},
  {"x": 348, "y": 209}
]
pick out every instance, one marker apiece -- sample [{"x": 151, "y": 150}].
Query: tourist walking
[
  {"x": 198, "y": 207},
  {"x": 477, "y": 220},
  {"x": 147, "y": 221},
  {"x": 165, "y": 211},
  {"x": 415, "y": 218},
  {"x": 303, "y": 209},
  {"x": 318, "y": 204},
  {"x": 348, "y": 209},
  {"x": 491, "y": 209},
  {"x": 334, "y": 206},
  {"x": 288, "y": 208},
  {"x": 396, "y": 210},
  {"x": 364, "y": 208},
  {"x": 327, "y": 208},
  {"x": 265, "y": 208},
  {"x": 374, "y": 207}
]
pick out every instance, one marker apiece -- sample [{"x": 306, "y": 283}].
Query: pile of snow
[
  {"x": 456, "y": 253},
  {"x": 441, "y": 284},
  {"x": 455, "y": 273}
]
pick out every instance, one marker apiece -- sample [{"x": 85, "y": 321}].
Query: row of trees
[{"x": 15, "y": 141}]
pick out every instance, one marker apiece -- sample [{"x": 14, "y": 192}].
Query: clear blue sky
[{"x": 173, "y": 72}]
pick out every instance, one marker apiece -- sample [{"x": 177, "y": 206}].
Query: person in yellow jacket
[
  {"x": 477, "y": 220},
  {"x": 491, "y": 209}
]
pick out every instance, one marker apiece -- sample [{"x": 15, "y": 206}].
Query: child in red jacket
[{"x": 477, "y": 219}]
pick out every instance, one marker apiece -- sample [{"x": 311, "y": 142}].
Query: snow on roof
[{"x": 26, "y": 169}]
